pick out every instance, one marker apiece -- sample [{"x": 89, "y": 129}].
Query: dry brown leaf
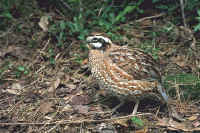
[
  {"x": 180, "y": 60},
  {"x": 192, "y": 118},
  {"x": 44, "y": 23},
  {"x": 4, "y": 130},
  {"x": 71, "y": 86},
  {"x": 54, "y": 85},
  {"x": 80, "y": 99},
  {"x": 174, "y": 125},
  {"x": 46, "y": 107},
  {"x": 16, "y": 51},
  {"x": 16, "y": 86},
  {"x": 196, "y": 124},
  {"x": 11, "y": 91},
  {"x": 84, "y": 62},
  {"x": 66, "y": 77},
  {"x": 145, "y": 130},
  {"x": 15, "y": 89},
  {"x": 106, "y": 128},
  {"x": 82, "y": 109},
  {"x": 122, "y": 122},
  {"x": 48, "y": 117},
  {"x": 67, "y": 108}
]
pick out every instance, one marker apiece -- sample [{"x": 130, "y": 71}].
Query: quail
[{"x": 122, "y": 71}]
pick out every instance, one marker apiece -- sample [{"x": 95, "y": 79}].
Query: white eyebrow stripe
[
  {"x": 89, "y": 38},
  {"x": 98, "y": 37}
]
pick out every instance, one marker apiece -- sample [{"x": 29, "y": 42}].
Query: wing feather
[{"x": 136, "y": 63}]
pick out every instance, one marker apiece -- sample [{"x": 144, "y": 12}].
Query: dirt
[{"x": 45, "y": 88}]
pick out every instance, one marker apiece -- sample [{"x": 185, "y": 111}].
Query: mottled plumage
[{"x": 122, "y": 71}]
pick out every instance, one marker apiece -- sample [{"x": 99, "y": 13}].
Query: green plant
[
  {"x": 4, "y": 67},
  {"x": 149, "y": 47},
  {"x": 86, "y": 16},
  {"x": 58, "y": 30},
  {"x": 189, "y": 84},
  {"x": 77, "y": 27},
  {"x": 108, "y": 18},
  {"x": 6, "y": 6},
  {"x": 137, "y": 121},
  {"x": 78, "y": 58},
  {"x": 11, "y": 9},
  {"x": 167, "y": 5},
  {"x": 51, "y": 56},
  {"x": 197, "y": 27},
  {"x": 172, "y": 6},
  {"x": 20, "y": 70}
]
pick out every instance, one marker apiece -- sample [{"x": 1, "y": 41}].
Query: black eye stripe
[
  {"x": 95, "y": 39},
  {"x": 101, "y": 40},
  {"x": 98, "y": 40}
]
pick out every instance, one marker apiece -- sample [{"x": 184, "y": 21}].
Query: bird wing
[{"x": 135, "y": 62}]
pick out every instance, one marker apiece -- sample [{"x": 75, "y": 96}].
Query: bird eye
[
  {"x": 95, "y": 40},
  {"x": 101, "y": 40}
]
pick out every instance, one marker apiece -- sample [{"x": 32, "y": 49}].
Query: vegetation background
[{"x": 45, "y": 85}]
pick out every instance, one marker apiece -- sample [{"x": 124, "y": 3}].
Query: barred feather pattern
[{"x": 125, "y": 72}]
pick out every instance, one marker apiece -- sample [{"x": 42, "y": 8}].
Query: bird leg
[
  {"x": 135, "y": 107},
  {"x": 118, "y": 106},
  {"x": 172, "y": 112}
]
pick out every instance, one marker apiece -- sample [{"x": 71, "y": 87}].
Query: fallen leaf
[
  {"x": 106, "y": 128},
  {"x": 82, "y": 109},
  {"x": 11, "y": 91},
  {"x": 145, "y": 130},
  {"x": 192, "y": 118},
  {"x": 71, "y": 86},
  {"x": 122, "y": 122},
  {"x": 84, "y": 62},
  {"x": 4, "y": 130},
  {"x": 54, "y": 85},
  {"x": 16, "y": 86},
  {"x": 67, "y": 108},
  {"x": 48, "y": 117},
  {"x": 18, "y": 52},
  {"x": 174, "y": 125},
  {"x": 80, "y": 99},
  {"x": 44, "y": 23},
  {"x": 16, "y": 89},
  {"x": 180, "y": 60},
  {"x": 46, "y": 107}
]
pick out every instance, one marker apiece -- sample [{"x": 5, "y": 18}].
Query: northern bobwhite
[{"x": 122, "y": 71}]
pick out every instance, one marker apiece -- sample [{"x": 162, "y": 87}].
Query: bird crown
[{"x": 98, "y": 41}]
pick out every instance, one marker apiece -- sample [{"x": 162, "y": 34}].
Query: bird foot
[{"x": 117, "y": 107}]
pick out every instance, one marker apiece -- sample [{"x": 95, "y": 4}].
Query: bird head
[{"x": 98, "y": 41}]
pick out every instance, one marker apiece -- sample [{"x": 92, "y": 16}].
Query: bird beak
[
  {"x": 88, "y": 46},
  {"x": 89, "y": 39}
]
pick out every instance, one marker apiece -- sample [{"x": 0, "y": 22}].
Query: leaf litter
[{"x": 59, "y": 94}]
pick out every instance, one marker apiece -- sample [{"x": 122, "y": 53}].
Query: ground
[{"x": 45, "y": 88}]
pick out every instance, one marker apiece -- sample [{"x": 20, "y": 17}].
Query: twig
[
  {"x": 183, "y": 13},
  {"x": 7, "y": 32},
  {"x": 155, "y": 16},
  {"x": 75, "y": 121},
  {"x": 66, "y": 5}
]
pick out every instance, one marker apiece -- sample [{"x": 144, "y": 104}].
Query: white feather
[{"x": 97, "y": 44}]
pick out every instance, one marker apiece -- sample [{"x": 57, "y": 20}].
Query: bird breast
[{"x": 113, "y": 78}]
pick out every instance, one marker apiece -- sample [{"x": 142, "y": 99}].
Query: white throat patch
[
  {"x": 97, "y": 44},
  {"x": 107, "y": 40}
]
